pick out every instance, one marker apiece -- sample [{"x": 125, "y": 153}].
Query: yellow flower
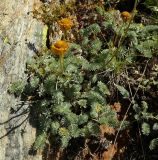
[
  {"x": 65, "y": 23},
  {"x": 126, "y": 15},
  {"x": 60, "y": 47}
]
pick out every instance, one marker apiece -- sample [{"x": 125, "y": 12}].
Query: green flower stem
[
  {"x": 62, "y": 63},
  {"x": 65, "y": 35}
]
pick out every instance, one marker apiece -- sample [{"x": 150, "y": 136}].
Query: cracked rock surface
[{"x": 18, "y": 28}]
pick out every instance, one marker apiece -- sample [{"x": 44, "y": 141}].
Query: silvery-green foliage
[
  {"x": 146, "y": 129},
  {"x": 73, "y": 102},
  {"x": 65, "y": 102}
]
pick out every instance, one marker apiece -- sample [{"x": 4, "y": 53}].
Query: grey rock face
[{"x": 17, "y": 29}]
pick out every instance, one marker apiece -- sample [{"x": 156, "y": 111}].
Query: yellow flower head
[
  {"x": 60, "y": 47},
  {"x": 126, "y": 15},
  {"x": 65, "y": 23}
]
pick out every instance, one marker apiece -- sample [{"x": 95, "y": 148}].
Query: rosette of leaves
[{"x": 67, "y": 104}]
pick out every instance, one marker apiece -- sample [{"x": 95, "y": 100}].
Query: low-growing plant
[
  {"x": 68, "y": 103},
  {"x": 68, "y": 86}
]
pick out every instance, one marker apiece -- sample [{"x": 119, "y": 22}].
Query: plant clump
[{"x": 73, "y": 84}]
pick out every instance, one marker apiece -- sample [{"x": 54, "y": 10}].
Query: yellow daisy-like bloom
[
  {"x": 65, "y": 23},
  {"x": 126, "y": 15},
  {"x": 60, "y": 47}
]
